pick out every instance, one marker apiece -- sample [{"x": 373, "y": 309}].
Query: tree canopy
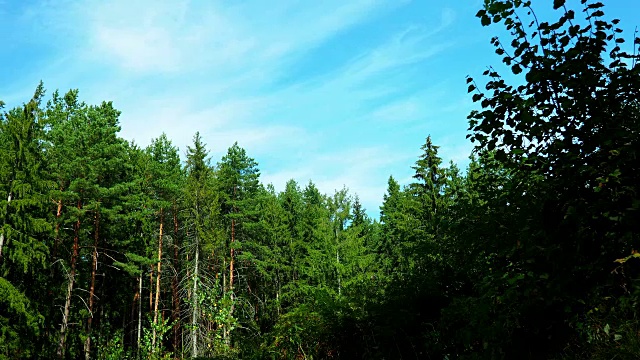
[{"x": 113, "y": 251}]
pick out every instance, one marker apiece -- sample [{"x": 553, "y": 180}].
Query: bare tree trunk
[
  {"x": 155, "y": 309},
  {"x": 151, "y": 289},
  {"x": 92, "y": 289},
  {"x": 231, "y": 264},
  {"x": 233, "y": 240},
  {"x": 227, "y": 337},
  {"x": 194, "y": 299},
  {"x": 338, "y": 270},
  {"x": 72, "y": 276},
  {"x": 224, "y": 293},
  {"x": 174, "y": 285},
  {"x": 136, "y": 299},
  {"x": 1, "y": 243},
  {"x": 139, "y": 313},
  {"x": 56, "y": 243}
]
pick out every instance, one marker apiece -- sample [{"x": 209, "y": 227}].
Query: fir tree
[{"x": 24, "y": 228}]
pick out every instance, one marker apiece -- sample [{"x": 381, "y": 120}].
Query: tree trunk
[
  {"x": 72, "y": 276},
  {"x": 139, "y": 313},
  {"x": 231, "y": 263},
  {"x": 151, "y": 289},
  {"x": 338, "y": 271},
  {"x": 56, "y": 243},
  {"x": 92, "y": 289},
  {"x": 2, "y": 232},
  {"x": 194, "y": 299},
  {"x": 227, "y": 336},
  {"x": 175, "y": 316},
  {"x": 136, "y": 300},
  {"x": 155, "y": 308}
]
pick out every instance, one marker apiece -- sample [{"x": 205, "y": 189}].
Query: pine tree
[
  {"x": 237, "y": 182},
  {"x": 138, "y": 248},
  {"x": 87, "y": 161},
  {"x": 106, "y": 173},
  {"x": 67, "y": 163},
  {"x": 164, "y": 171}
]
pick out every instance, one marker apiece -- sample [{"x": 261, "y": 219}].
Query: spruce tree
[
  {"x": 24, "y": 228},
  {"x": 200, "y": 204}
]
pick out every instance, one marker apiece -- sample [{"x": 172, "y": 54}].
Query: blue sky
[{"x": 342, "y": 92}]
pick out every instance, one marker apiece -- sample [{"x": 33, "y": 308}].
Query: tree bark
[
  {"x": 151, "y": 289},
  {"x": 136, "y": 299},
  {"x": 227, "y": 337},
  {"x": 231, "y": 263},
  {"x": 194, "y": 299},
  {"x": 174, "y": 286},
  {"x": 72, "y": 276},
  {"x": 92, "y": 289},
  {"x": 139, "y": 313},
  {"x": 155, "y": 308},
  {"x": 338, "y": 270},
  {"x": 56, "y": 243}
]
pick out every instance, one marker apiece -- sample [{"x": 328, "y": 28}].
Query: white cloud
[
  {"x": 181, "y": 66},
  {"x": 362, "y": 170},
  {"x": 403, "y": 110},
  {"x": 147, "y": 50},
  {"x": 150, "y": 37},
  {"x": 220, "y": 124}
]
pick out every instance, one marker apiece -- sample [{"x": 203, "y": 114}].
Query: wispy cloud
[
  {"x": 181, "y": 36},
  {"x": 359, "y": 170},
  {"x": 220, "y": 68},
  {"x": 341, "y": 92}
]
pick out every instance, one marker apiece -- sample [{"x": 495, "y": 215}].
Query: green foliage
[
  {"x": 19, "y": 323},
  {"x": 23, "y": 189},
  {"x": 569, "y": 167},
  {"x": 24, "y": 229},
  {"x": 529, "y": 253},
  {"x": 301, "y": 334},
  {"x": 148, "y": 349},
  {"x": 112, "y": 348}
]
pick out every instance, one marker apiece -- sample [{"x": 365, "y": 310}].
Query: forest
[{"x": 109, "y": 250}]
